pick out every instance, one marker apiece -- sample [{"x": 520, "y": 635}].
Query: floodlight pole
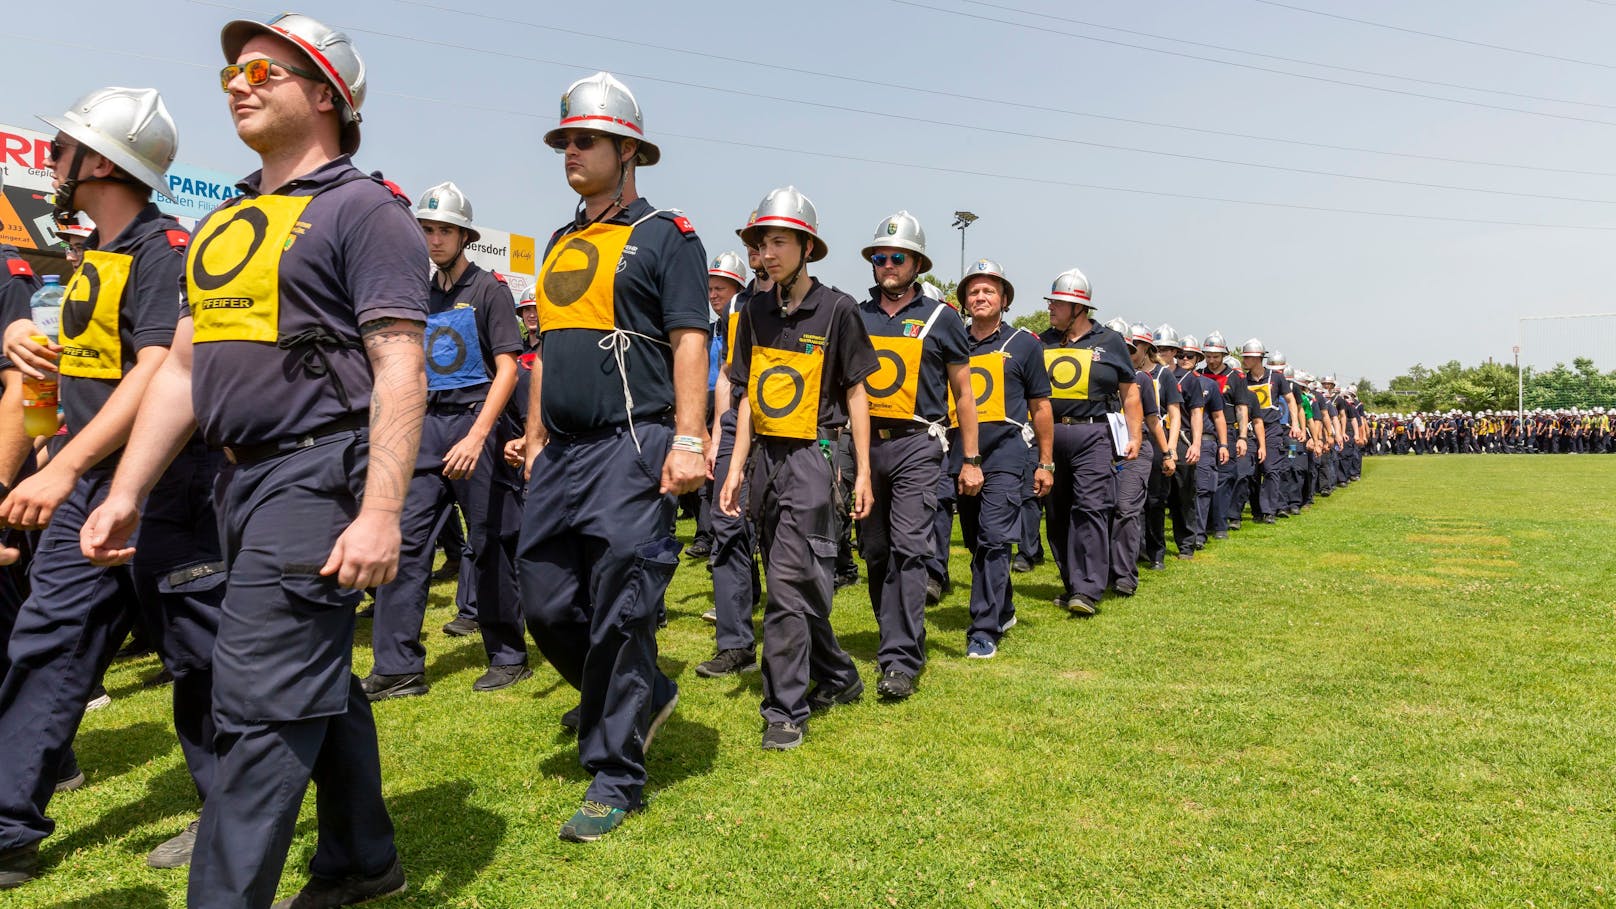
[{"x": 962, "y": 220}]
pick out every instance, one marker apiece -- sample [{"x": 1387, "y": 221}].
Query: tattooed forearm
[{"x": 397, "y": 405}]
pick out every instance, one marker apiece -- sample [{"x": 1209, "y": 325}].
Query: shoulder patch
[
  {"x": 178, "y": 239},
  {"x": 680, "y": 221},
  {"x": 19, "y": 268},
  {"x": 500, "y": 278},
  {"x": 392, "y": 187}
]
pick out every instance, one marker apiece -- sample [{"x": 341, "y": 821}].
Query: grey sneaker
[
  {"x": 176, "y": 853},
  {"x": 782, "y": 736}
]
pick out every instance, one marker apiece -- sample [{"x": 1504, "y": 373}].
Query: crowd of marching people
[
  {"x": 1565, "y": 430},
  {"x": 234, "y": 471}
]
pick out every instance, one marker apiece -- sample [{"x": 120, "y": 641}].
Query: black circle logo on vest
[
  {"x": 900, "y": 372},
  {"x": 445, "y": 333},
  {"x": 564, "y": 288},
  {"x": 1069, "y": 381},
  {"x": 77, "y": 313},
  {"x": 772, "y": 411},
  {"x": 257, "y": 221},
  {"x": 987, "y": 384}
]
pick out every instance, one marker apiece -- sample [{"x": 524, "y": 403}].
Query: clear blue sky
[{"x": 466, "y": 96}]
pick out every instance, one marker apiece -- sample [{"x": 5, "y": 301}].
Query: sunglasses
[
  {"x": 580, "y": 141},
  {"x": 880, "y": 259},
  {"x": 58, "y": 148},
  {"x": 257, "y": 72}
]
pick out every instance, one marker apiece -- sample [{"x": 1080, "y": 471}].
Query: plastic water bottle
[{"x": 40, "y": 415}]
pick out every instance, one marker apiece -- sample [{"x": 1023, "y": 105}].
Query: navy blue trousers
[
  {"x": 77, "y": 614},
  {"x": 1080, "y": 506},
  {"x": 490, "y": 498},
  {"x": 596, "y": 554},
  {"x": 736, "y": 590},
  {"x": 288, "y": 707},
  {"x": 896, "y": 539},
  {"x": 990, "y": 523}
]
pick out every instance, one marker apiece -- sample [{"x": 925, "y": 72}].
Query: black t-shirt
[
  {"x": 102, "y": 333},
  {"x": 1232, "y": 383},
  {"x": 479, "y": 303},
  {"x": 1086, "y": 385},
  {"x": 944, "y": 345},
  {"x": 826, "y": 328},
  {"x": 1214, "y": 405},
  {"x": 352, "y": 254},
  {"x": 641, "y": 273},
  {"x": 1147, "y": 395},
  {"x": 1194, "y": 395}
]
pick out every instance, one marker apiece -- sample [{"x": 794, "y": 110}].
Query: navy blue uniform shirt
[
  {"x": 1278, "y": 410},
  {"x": 356, "y": 255},
  {"x": 660, "y": 286},
  {"x": 1025, "y": 379},
  {"x": 944, "y": 346},
  {"x": 17, "y": 285},
  {"x": 1110, "y": 370}
]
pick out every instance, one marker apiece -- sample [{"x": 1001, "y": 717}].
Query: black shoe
[
  {"x": 18, "y": 864},
  {"x": 498, "y": 677},
  {"x": 71, "y": 782},
  {"x": 1234, "y": 525},
  {"x": 820, "y": 700},
  {"x": 847, "y": 579},
  {"x": 727, "y": 662},
  {"x": 369, "y": 612},
  {"x": 895, "y": 685},
  {"x": 176, "y": 852},
  {"x": 698, "y": 549},
  {"x": 1267, "y": 519},
  {"x": 331, "y": 892},
  {"x": 1282, "y": 513},
  {"x": 934, "y": 591},
  {"x": 449, "y": 572},
  {"x": 1125, "y": 591},
  {"x": 1021, "y": 564},
  {"x": 158, "y": 679},
  {"x": 1220, "y": 534},
  {"x": 782, "y": 736},
  {"x": 385, "y": 687},
  {"x": 569, "y": 720},
  {"x": 1186, "y": 553},
  {"x": 1295, "y": 511},
  {"x": 460, "y": 627}
]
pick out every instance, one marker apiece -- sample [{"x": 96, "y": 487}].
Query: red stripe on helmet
[
  {"x": 320, "y": 61},
  {"x": 571, "y": 120},
  {"x": 726, "y": 274},
  {"x": 800, "y": 225}
]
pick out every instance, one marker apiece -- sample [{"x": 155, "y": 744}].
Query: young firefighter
[{"x": 801, "y": 355}]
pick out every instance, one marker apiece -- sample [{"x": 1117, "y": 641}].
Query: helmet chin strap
[
  {"x": 784, "y": 286},
  {"x": 63, "y": 208}
]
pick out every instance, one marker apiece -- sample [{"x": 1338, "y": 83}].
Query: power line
[
  {"x": 1007, "y": 102},
  {"x": 908, "y": 165},
  {"x": 1018, "y": 134},
  {"x": 1248, "y": 66},
  {"x": 1261, "y": 55},
  {"x": 1439, "y": 37}
]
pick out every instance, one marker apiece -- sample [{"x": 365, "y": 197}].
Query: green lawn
[{"x": 1404, "y": 697}]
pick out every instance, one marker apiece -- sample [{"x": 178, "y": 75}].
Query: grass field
[{"x": 1402, "y": 698}]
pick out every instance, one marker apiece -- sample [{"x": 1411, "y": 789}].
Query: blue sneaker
[
  {"x": 980, "y": 648},
  {"x": 593, "y": 821}
]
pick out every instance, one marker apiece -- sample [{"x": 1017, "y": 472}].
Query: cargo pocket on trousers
[
  {"x": 190, "y": 602},
  {"x": 823, "y": 547},
  {"x": 654, "y": 564},
  {"x": 315, "y": 658}
]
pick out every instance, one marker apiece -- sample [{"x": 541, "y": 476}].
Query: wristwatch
[
  {"x": 974, "y": 460},
  {"x": 1049, "y": 467}
]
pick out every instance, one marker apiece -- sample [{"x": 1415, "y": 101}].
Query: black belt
[
  {"x": 1069, "y": 421},
  {"x": 664, "y": 420},
  {"x": 452, "y": 408},
  {"x": 251, "y": 454},
  {"x": 902, "y": 431}
]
